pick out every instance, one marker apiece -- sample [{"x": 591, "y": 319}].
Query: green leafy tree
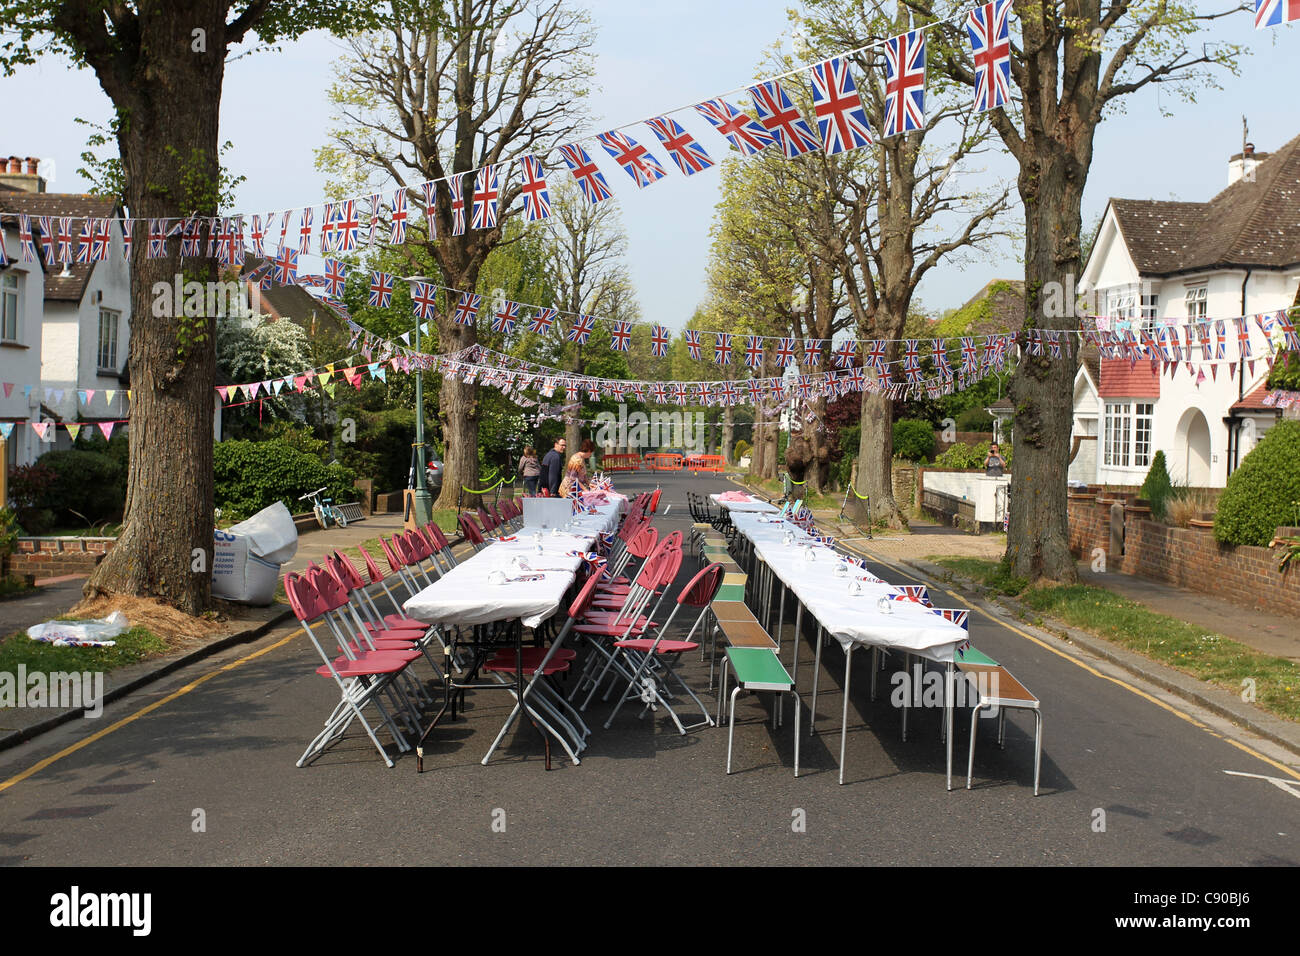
[
  {"x": 162, "y": 65},
  {"x": 1157, "y": 488},
  {"x": 1262, "y": 494}
]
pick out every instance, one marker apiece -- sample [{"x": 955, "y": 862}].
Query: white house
[
  {"x": 22, "y": 293},
  {"x": 1158, "y": 263},
  {"x": 76, "y": 319}
]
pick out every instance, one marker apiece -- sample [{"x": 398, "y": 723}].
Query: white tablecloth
[
  {"x": 464, "y": 596},
  {"x": 847, "y": 617},
  {"x": 752, "y": 505}
]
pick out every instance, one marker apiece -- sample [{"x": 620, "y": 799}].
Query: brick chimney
[
  {"x": 1242, "y": 166},
  {"x": 11, "y": 174}
]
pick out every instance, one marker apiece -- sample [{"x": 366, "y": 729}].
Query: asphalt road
[{"x": 199, "y": 769}]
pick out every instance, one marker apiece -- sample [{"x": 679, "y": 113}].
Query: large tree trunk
[
  {"x": 875, "y": 478},
  {"x": 728, "y": 435},
  {"x": 458, "y": 410},
  {"x": 1041, "y": 388},
  {"x": 168, "y": 146}
]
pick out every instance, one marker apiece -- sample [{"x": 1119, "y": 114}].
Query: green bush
[
  {"x": 913, "y": 439},
  {"x": 249, "y": 476},
  {"x": 742, "y": 449},
  {"x": 1261, "y": 493},
  {"x": 962, "y": 455},
  {"x": 975, "y": 420},
  {"x": 1157, "y": 489},
  {"x": 87, "y": 487}
]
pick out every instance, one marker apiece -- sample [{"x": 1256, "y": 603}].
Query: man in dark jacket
[{"x": 553, "y": 467}]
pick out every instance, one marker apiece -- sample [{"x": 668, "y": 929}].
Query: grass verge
[
  {"x": 132, "y": 645},
  {"x": 1213, "y": 658}
]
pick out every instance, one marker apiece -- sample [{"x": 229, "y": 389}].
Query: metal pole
[{"x": 423, "y": 500}]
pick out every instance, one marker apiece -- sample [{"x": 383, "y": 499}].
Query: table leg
[
  {"x": 948, "y": 708},
  {"x": 844, "y": 718},
  {"x": 817, "y": 670}
]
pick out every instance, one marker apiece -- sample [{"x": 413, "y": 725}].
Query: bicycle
[{"x": 325, "y": 510}]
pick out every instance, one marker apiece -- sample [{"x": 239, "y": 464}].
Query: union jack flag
[
  {"x": 958, "y": 617},
  {"x": 65, "y": 239},
  {"x": 779, "y": 117},
  {"x": 638, "y": 391},
  {"x": 328, "y": 239},
  {"x": 744, "y": 134},
  {"x": 969, "y": 355},
  {"x": 1243, "y": 338},
  {"x": 381, "y": 290},
  {"x": 659, "y": 341},
  {"x": 537, "y": 198},
  {"x": 85, "y": 240},
  {"x": 679, "y": 393},
  {"x": 581, "y": 329},
  {"x": 812, "y": 351},
  {"x": 486, "y": 190},
  {"x": 689, "y": 155},
  {"x": 376, "y": 201},
  {"x": 126, "y": 225},
  {"x": 904, "y": 83},
  {"x": 855, "y": 379},
  {"x": 637, "y": 161},
  {"x": 101, "y": 239},
  {"x": 621, "y": 337},
  {"x": 424, "y": 301},
  {"x": 430, "y": 192},
  {"x": 785, "y": 353},
  {"x": 660, "y": 391},
  {"x": 722, "y": 348},
  {"x": 846, "y": 354},
  {"x": 258, "y": 236},
  {"x": 347, "y": 226},
  {"x": 753, "y": 351},
  {"x": 304, "y": 232},
  {"x": 755, "y": 391},
  {"x": 456, "y": 187},
  {"x": 939, "y": 355},
  {"x": 589, "y": 177},
  {"x": 1289, "y": 334},
  {"x": 988, "y": 27},
  {"x": 1054, "y": 343},
  {"x": 467, "y": 308},
  {"x": 286, "y": 266},
  {"x": 541, "y": 322},
  {"x": 25, "y": 237},
  {"x": 397, "y": 213},
  {"x": 505, "y": 317},
  {"x": 692, "y": 343},
  {"x": 1273, "y": 13},
  {"x": 805, "y": 386},
  {"x": 336, "y": 276},
  {"x": 840, "y": 117},
  {"x": 876, "y": 355}
]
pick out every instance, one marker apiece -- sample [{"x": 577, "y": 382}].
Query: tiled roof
[
  {"x": 1121, "y": 378},
  {"x": 295, "y": 303},
  {"x": 58, "y": 286},
  {"x": 1090, "y": 358},
  {"x": 1254, "y": 400},
  {"x": 1248, "y": 224}
]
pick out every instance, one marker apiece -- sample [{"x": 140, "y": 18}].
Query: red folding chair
[{"x": 470, "y": 531}]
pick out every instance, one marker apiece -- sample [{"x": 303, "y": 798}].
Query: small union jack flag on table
[{"x": 689, "y": 155}]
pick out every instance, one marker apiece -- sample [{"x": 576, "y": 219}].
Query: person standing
[
  {"x": 553, "y": 467},
  {"x": 994, "y": 465},
  {"x": 530, "y": 469}
]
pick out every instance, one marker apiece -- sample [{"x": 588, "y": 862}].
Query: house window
[
  {"x": 106, "y": 360},
  {"x": 1196, "y": 303},
  {"x": 1120, "y": 304},
  {"x": 9, "y": 310},
  {"x": 1149, "y": 312},
  {"x": 1128, "y": 438}
]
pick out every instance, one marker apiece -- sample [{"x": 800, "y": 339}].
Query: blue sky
[{"x": 653, "y": 58}]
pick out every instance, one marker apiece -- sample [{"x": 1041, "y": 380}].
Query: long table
[
  {"x": 752, "y": 505},
  {"x": 467, "y": 595},
  {"x": 847, "y": 607}
]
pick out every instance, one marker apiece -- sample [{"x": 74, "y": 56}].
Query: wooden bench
[
  {"x": 998, "y": 689},
  {"x": 759, "y": 669}
]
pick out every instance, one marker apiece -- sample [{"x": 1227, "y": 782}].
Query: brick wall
[
  {"x": 52, "y": 557},
  {"x": 1184, "y": 557},
  {"x": 905, "y": 488}
]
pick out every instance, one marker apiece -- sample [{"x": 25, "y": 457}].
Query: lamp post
[{"x": 422, "y": 504}]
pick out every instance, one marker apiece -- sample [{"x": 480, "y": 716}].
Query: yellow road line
[
  {"x": 67, "y": 751},
  {"x": 1092, "y": 670}
]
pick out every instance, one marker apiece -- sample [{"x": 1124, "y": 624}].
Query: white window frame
[
  {"x": 1196, "y": 301},
  {"x": 1149, "y": 309},
  {"x": 100, "y": 366},
  {"x": 11, "y": 304},
  {"x": 1128, "y": 437}
]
